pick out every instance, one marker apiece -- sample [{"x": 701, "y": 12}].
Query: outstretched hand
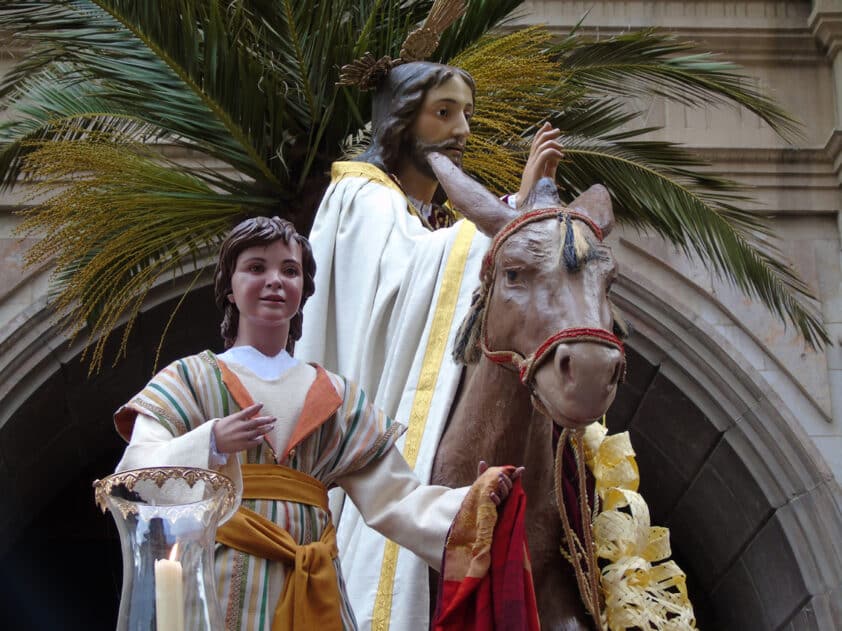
[
  {"x": 506, "y": 478},
  {"x": 544, "y": 156},
  {"x": 242, "y": 430}
]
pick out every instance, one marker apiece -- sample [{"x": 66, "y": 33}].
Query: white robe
[{"x": 383, "y": 281}]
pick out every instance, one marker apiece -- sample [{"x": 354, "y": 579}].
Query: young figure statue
[
  {"x": 396, "y": 275},
  {"x": 286, "y": 431}
]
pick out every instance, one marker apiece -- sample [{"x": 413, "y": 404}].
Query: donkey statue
[{"x": 541, "y": 355}]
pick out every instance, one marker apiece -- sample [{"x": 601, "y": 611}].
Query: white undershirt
[
  {"x": 261, "y": 365},
  {"x": 425, "y": 208}
]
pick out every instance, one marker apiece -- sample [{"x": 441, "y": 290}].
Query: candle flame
[{"x": 174, "y": 552}]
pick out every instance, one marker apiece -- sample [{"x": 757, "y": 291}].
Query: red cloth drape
[{"x": 503, "y": 598}]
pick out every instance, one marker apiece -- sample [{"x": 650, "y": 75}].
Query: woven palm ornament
[
  {"x": 368, "y": 71},
  {"x": 641, "y": 586}
]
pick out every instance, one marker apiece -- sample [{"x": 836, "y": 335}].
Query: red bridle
[{"x": 526, "y": 366}]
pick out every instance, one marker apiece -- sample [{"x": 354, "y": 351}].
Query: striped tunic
[{"x": 169, "y": 418}]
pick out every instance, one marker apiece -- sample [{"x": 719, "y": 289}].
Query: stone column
[{"x": 826, "y": 24}]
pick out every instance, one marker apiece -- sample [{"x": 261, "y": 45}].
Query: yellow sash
[{"x": 310, "y": 598}]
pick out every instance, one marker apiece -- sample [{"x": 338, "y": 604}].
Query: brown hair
[
  {"x": 396, "y": 105},
  {"x": 248, "y": 233}
]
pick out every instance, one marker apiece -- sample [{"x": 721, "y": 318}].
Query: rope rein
[{"x": 580, "y": 554}]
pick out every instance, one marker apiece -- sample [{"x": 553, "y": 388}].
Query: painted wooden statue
[{"x": 397, "y": 274}]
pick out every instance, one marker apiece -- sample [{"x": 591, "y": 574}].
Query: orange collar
[{"x": 320, "y": 404}]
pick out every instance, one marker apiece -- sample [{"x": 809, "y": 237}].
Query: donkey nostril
[{"x": 564, "y": 365}]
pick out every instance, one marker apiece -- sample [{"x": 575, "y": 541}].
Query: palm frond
[
  {"x": 56, "y": 105},
  {"x": 123, "y": 65},
  {"x": 514, "y": 78},
  {"x": 592, "y": 117},
  {"x": 305, "y": 41},
  {"x": 301, "y": 47},
  {"x": 123, "y": 219},
  {"x": 650, "y": 62},
  {"x": 737, "y": 244}
]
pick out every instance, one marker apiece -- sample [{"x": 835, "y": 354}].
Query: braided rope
[
  {"x": 576, "y": 334},
  {"x": 581, "y": 555},
  {"x": 532, "y": 216}
]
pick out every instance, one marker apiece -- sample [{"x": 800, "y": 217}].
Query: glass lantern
[{"x": 167, "y": 519}]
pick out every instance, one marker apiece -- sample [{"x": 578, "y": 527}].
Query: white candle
[{"x": 169, "y": 594}]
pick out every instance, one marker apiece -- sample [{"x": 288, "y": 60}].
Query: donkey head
[{"x": 542, "y": 306}]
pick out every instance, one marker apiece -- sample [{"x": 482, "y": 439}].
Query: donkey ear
[
  {"x": 596, "y": 204},
  {"x": 543, "y": 195}
]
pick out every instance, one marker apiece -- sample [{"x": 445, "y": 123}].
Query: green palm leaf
[
  {"x": 127, "y": 69},
  {"x": 56, "y": 105},
  {"x": 112, "y": 229},
  {"x": 736, "y": 244},
  {"x": 652, "y": 63}
]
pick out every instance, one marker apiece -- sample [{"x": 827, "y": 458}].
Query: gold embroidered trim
[
  {"x": 343, "y": 169},
  {"x": 234, "y": 614},
  {"x": 162, "y": 413},
  {"x": 209, "y": 358},
  {"x": 433, "y": 355}
]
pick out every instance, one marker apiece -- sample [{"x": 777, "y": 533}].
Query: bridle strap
[
  {"x": 526, "y": 366},
  {"x": 531, "y": 217},
  {"x": 576, "y": 334}
]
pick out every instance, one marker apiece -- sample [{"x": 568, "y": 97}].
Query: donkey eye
[{"x": 512, "y": 275}]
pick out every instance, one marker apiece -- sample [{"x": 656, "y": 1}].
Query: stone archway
[
  {"x": 61, "y": 562},
  {"x": 753, "y": 514},
  {"x": 753, "y": 511}
]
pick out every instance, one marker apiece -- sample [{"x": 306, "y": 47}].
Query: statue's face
[
  {"x": 443, "y": 124},
  {"x": 266, "y": 285}
]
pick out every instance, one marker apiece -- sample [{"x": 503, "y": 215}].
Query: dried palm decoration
[
  {"x": 368, "y": 71},
  {"x": 103, "y": 232},
  {"x": 641, "y": 587},
  {"x": 423, "y": 41}
]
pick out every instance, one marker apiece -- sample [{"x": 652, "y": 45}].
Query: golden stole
[{"x": 310, "y": 598}]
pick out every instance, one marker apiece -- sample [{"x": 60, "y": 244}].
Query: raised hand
[
  {"x": 544, "y": 156},
  {"x": 242, "y": 430},
  {"x": 506, "y": 477}
]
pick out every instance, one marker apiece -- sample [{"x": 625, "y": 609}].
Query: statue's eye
[{"x": 512, "y": 275}]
